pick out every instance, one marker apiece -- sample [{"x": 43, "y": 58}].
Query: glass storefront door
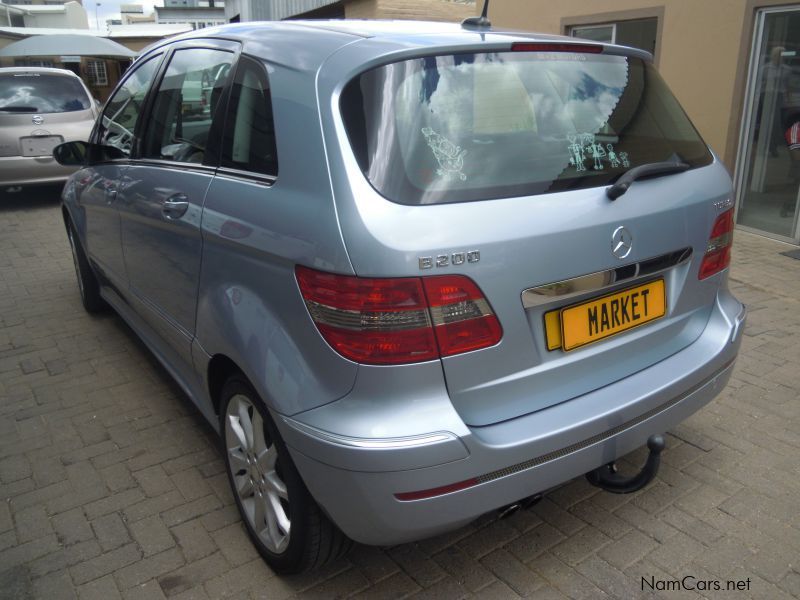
[{"x": 768, "y": 169}]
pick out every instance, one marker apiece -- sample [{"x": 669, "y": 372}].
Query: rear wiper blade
[
  {"x": 22, "y": 109},
  {"x": 648, "y": 170}
]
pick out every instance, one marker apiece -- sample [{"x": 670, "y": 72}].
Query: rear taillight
[
  {"x": 399, "y": 320},
  {"x": 718, "y": 250},
  {"x": 462, "y": 318}
]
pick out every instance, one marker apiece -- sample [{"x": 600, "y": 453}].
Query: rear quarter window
[{"x": 464, "y": 127}]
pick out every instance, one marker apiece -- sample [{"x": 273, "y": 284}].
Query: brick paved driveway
[{"x": 111, "y": 484}]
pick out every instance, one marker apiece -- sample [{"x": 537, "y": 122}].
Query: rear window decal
[
  {"x": 595, "y": 150},
  {"x": 576, "y": 154},
  {"x": 449, "y": 156},
  {"x": 584, "y": 146},
  {"x": 612, "y": 156}
]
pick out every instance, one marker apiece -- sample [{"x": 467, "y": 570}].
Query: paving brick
[
  {"x": 373, "y": 562},
  {"x": 655, "y": 528},
  {"x": 87, "y": 452},
  {"x": 28, "y": 551},
  {"x": 190, "y": 510},
  {"x": 191, "y": 484},
  {"x": 113, "y": 503},
  {"x": 483, "y": 541},
  {"x": 499, "y": 591},
  {"x": 193, "y": 574},
  {"x": 14, "y": 468},
  {"x": 117, "y": 477},
  {"x": 423, "y": 570},
  {"x": 48, "y": 470},
  {"x": 31, "y": 523},
  {"x": 627, "y": 550},
  {"x": 15, "y": 582},
  {"x": 471, "y": 574},
  {"x": 152, "y": 535},
  {"x": 149, "y": 568},
  {"x": 444, "y": 588},
  {"x": 71, "y": 526},
  {"x": 607, "y": 578},
  {"x": 99, "y": 589},
  {"x": 566, "y": 579},
  {"x": 153, "y": 506},
  {"x": 254, "y": 576},
  {"x": 154, "y": 481},
  {"x": 522, "y": 580},
  {"x": 40, "y": 495},
  {"x": 110, "y": 531},
  {"x": 195, "y": 542},
  {"x": 6, "y": 522},
  {"x": 150, "y": 590},
  {"x": 398, "y": 585},
  {"x": 8, "y": 540},
  {"x": 537, "y": 541},
  {"x": 105, "y": 563},
  {"x": 65, "y": 557},
  {"x": 580, "y": 545},
  {"x": 232, "y": 542},
  {"x": 222, "y": 517},
  {"x": 56, "y": 586}
]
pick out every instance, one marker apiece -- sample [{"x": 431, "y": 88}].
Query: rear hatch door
[{"x": 507, "y": 156}]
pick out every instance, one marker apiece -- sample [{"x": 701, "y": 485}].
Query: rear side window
[
  {"x": 466, "y": 127},
  {"x": 41, "y": 93},
  {"x": 118, "y": 124},
  {"x": 249, "y": 140},
  {"x": 184, "y": 107}
]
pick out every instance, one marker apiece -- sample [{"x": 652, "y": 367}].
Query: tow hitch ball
[{"x": 606, "y": 477}]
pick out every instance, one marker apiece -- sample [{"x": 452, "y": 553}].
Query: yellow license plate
[{"x": 588, "y": 322}]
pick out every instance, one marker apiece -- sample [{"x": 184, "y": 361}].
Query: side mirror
[
  {"x": 76, "y": 154},
  {"x": 71, "y": 154}
]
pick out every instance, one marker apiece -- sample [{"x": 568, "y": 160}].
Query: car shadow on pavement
[{"x": 33, "y": 197}]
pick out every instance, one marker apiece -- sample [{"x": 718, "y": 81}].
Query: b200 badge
[{"x": 445, "y": 260}]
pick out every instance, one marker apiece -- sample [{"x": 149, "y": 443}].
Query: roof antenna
[{"x": 481, "y": 22}]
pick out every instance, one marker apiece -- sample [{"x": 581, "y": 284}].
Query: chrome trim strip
[
  {"x": 372, "y": 443},
  {"x": 601, "y": 280},
  {"x": 250, "y": 176}
]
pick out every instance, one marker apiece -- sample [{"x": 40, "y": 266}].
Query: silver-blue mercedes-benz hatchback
[{"x": 411, "y": 272}]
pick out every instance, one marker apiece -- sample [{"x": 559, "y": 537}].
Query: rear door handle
[{"x": 175, "y": 206}]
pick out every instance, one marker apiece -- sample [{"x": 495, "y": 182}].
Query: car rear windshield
[
  {"x": 41, "y": 93},
  {"x": 463, "y": 127}
]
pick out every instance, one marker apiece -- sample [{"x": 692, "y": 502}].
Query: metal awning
[{"x": 72, "y": 44}]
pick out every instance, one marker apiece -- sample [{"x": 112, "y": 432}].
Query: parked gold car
[{"x": 39, "y": 109}]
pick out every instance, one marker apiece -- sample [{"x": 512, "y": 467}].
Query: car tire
[
  {"x": 88, "y": 285},
  {"x": 294, "y": 534}
]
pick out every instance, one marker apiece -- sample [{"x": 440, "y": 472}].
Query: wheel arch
[{"x": 221, "y": 368}]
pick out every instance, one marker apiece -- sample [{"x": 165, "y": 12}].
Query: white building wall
[{"x": 72, "y": 17}]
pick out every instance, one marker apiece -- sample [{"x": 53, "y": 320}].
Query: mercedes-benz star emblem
[
  {"x": 37, "y": 119},
  {"x": 621, "y": 242}
]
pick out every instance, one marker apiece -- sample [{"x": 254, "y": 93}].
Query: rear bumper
[
  {"x": 29, "y": 170},
  {"x": 355, "y": 479}
]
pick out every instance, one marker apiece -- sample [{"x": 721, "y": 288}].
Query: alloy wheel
[{"x": 253, "y": 463}]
